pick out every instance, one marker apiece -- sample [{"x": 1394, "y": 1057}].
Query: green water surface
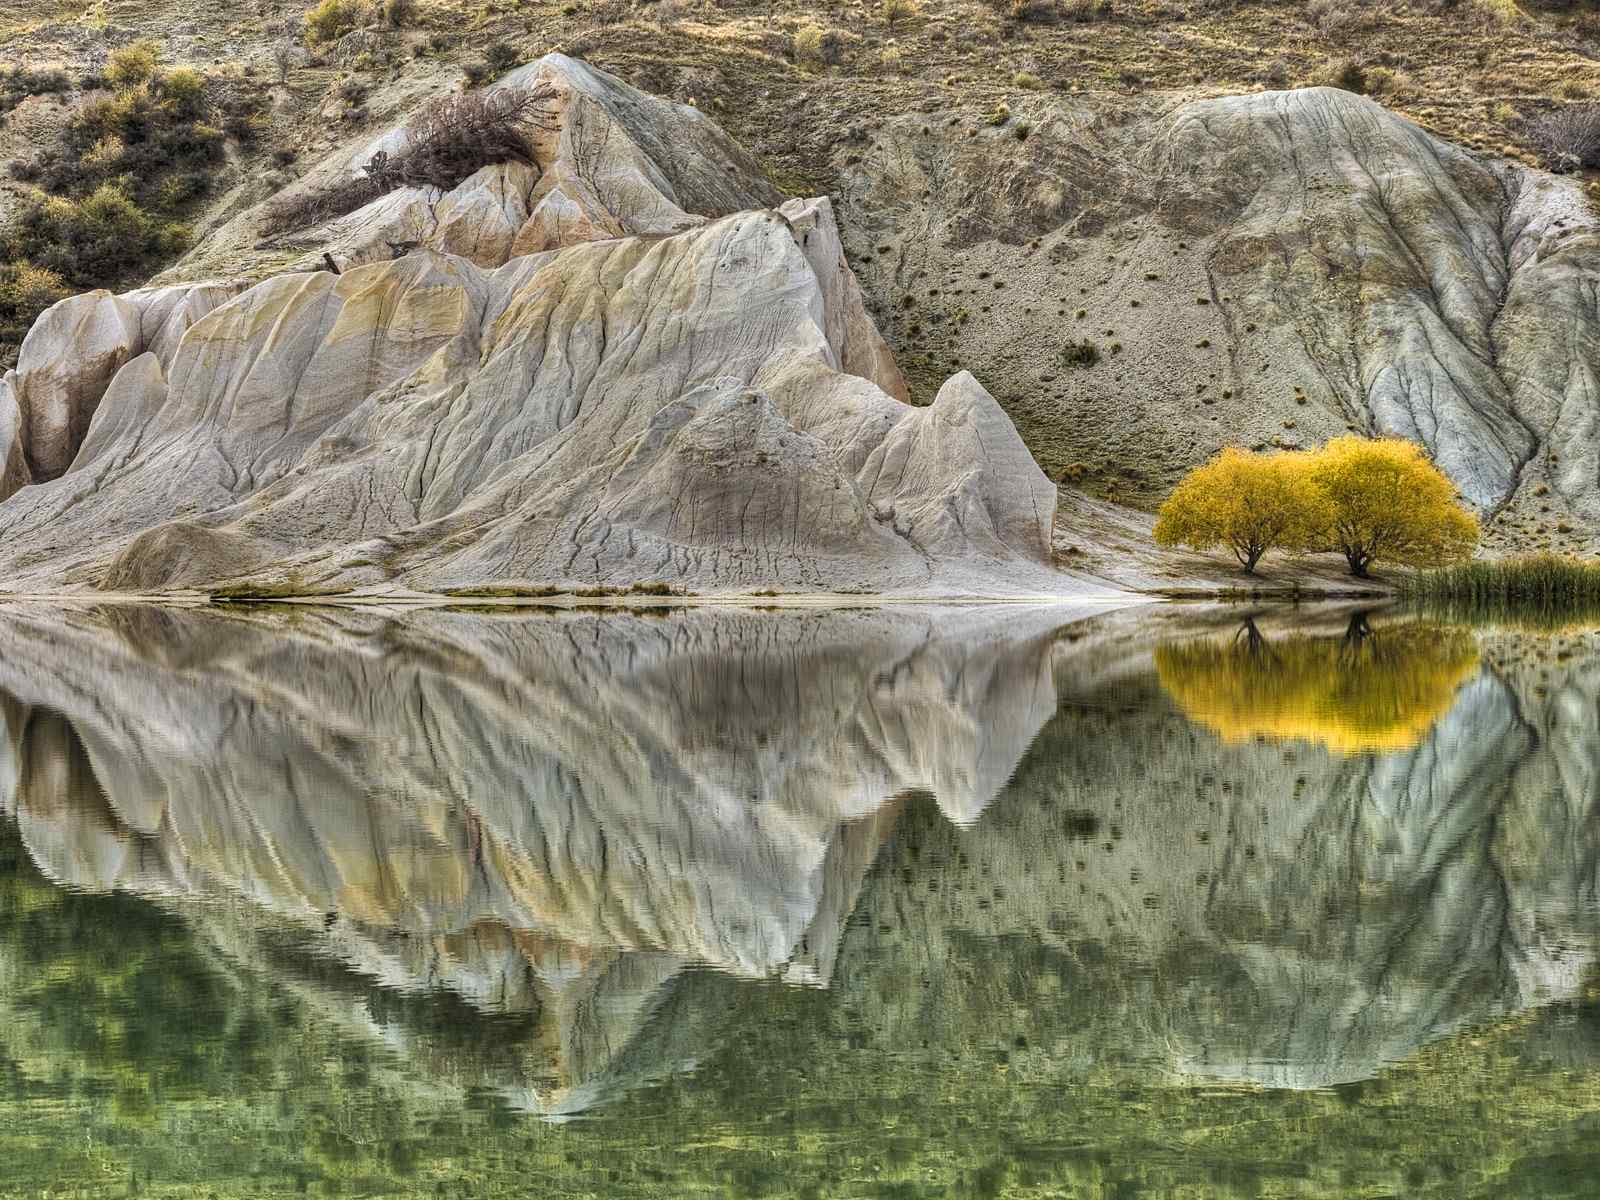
[{"x": 1164, "y": 903}]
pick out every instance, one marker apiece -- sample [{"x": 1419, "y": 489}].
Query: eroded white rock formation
[{"x": 619, "y": 367}]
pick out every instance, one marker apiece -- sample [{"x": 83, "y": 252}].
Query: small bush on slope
[
  {"x": 111, "y": 192},
  {"x": 330, "y": 21},
  {"x": 1568, "y": 139},
  {"x": 444, "y": 144}
]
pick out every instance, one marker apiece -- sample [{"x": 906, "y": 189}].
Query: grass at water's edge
[{"x": 1546, "y": 590}]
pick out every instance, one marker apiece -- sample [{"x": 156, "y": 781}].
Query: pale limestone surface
[
  {"x": 15, "y": 472},
  {"x": 66, "y": 362},
  {"x": 641, "y": 391},
  {"x": 615, "y": 162},
  {"x": 619, "y": 412}
]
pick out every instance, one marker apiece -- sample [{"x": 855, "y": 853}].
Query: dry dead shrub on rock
[
  {"x": 1568, "y": 139},
  {"x": 444, "y": 144}
]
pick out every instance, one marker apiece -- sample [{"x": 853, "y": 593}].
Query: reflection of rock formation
[
  {"x": 1359, "y": 692},
  {"x": 548, "y": 820},
  {"x": 553, "y": 815},
  {"x": 1261, "y": 910}
]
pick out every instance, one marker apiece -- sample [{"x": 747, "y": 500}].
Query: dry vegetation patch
[
  {"x": 444, "y": 144},
  {"x": 798, "y": 83}
]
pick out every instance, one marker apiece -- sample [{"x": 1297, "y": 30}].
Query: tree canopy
[
  {"x": 1387, "y": 501},
  {"x": 1250, "y": 503},
  {"x": 1370, "y": 499}
]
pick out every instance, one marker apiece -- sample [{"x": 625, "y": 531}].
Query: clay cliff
[
  {"x": 625, "y": 359},
  {"x": 1258, "y": 270},
  {"x": 623, "y": 362}
]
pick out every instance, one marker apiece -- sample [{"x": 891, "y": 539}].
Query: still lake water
[{"x": 1166, "y": 902}]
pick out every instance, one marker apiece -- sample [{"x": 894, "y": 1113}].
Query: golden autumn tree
[
  {"x": 1384, "y": 500},
  {"x": 1250, "y": 503}
]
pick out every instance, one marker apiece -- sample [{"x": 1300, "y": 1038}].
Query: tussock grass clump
[{"x": 446, "y": 143}]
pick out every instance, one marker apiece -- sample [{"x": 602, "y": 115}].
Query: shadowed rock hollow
[{"x": 621, "y": 366}]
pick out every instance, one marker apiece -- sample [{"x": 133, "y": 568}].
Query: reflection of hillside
[
  {"x": 552, "y": 816},
  {"x": 1263, "y": 910},
  {"x": 1365, "y": 691},
  {"x": 549, "y": 823}
]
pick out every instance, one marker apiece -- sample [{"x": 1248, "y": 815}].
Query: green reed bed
[{"x": 1548, "y": 588}]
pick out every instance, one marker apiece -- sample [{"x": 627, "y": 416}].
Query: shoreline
[{"x": 637, "y": 600}]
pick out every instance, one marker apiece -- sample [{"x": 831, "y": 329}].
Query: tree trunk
[{"x": 1358, "y": 563}]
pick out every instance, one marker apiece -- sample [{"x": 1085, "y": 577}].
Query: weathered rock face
[
  {"x": 76, "y": 350},
  {"x": 16, "y": 472},
  {"x": 552, "y": 815},
  {"x": 614, "y": 162},
  {"x": 1263, "y": 269},
  {"x": 582, "y": 373}
]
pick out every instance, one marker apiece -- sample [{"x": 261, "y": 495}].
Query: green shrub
[
  {"x": 1080, "y": 354},
  {"x": 399, "y": 13},
  {"x": 102, "y": 238},
  {"x": 134, "y": 64},
  {"x": 137, "y": 138},
  {"x": 1082, "y": 12},
  {"x": 895, "y": 11},
  {"x": 113, "y": 187},
  {"x": 19, "y": 84},
  {"x": 1036, "y": 11},
  {"x": 818, "y": 47},
  {"x": 182, "y": 87},
  {"x": 25, "y": 292},
  {"x": 1346, "y": 74},
  {"x": 330, "y": 21},
  {"x": 502, "y": 57}
]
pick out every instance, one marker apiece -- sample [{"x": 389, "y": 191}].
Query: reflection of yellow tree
[{"x": 1365, "y": 691}]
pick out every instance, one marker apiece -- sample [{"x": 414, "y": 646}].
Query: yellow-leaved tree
[
  {"x": 1383, "y": 500},
  {"x": 1250, "y": 503}
]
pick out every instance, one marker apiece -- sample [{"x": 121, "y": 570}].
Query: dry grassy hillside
[{"x": 790, "y": 81}]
